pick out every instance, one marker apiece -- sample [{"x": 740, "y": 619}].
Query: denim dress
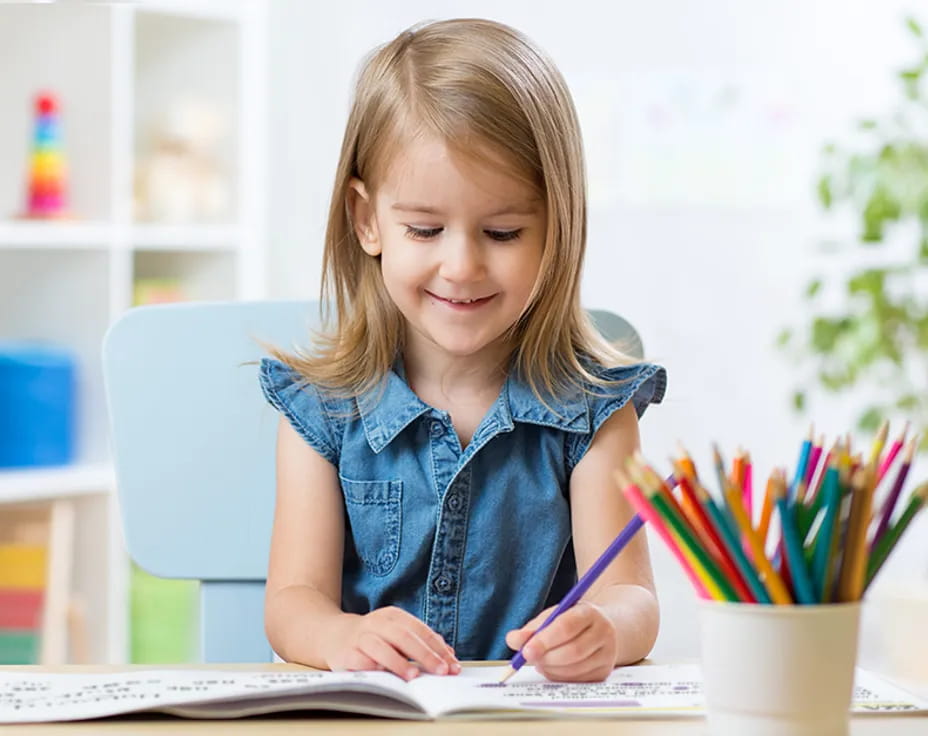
[{"x": 473, "y": 542}]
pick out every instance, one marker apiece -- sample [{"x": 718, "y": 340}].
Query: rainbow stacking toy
[{"x": 47, "y": 195}]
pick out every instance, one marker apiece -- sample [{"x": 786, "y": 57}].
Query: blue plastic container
[{"x": 37, "y": 405}]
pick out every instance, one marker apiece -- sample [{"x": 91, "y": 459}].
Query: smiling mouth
[{"x": 462, "y": 302}]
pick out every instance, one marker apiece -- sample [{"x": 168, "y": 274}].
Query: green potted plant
[{"x": 876, "y": 340}]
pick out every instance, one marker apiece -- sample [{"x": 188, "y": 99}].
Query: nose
[{"x": 462, "y": 260}]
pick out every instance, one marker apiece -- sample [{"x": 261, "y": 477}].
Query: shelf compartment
[
  {"x": 35, "y": 484},
  {"x": 198, "y": 276},
  {"x": 185, "y": 237},
  {"x": 186, "y": 128},
  {"x": 55, "y": 235},
  {"x": 63, "y": 48}
]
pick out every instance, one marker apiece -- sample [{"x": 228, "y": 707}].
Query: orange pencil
[
  {"x": 766, "y": 513},
  {"x": 854, "y": 562},
  {"x": 768, "y": 576}
]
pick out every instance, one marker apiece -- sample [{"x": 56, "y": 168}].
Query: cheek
[{"x": 400, "y": 272}]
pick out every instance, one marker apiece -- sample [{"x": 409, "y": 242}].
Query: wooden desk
[{"x": 337, "y": 723}]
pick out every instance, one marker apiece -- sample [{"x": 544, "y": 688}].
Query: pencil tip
[{"x": 507, "y": 674}]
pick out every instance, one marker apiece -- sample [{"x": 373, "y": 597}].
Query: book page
[
  {"x": 638, "y": 691},
  {"x": 658, "y": 691},
  {"x": 672, "y": 690},
  {"x": 27, "y": 698}
]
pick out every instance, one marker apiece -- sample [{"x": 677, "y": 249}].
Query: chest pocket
[{"x": 375, "y": 516}]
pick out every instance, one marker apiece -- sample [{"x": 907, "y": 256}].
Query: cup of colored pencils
[{"x": 781, "y": 573}]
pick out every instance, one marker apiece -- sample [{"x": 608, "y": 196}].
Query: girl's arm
[
  {"x": 302, "y": 610},
  {"x": 616, "y": 622}
]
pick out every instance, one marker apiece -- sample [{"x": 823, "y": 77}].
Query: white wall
[{"x": 702, "y": 231}]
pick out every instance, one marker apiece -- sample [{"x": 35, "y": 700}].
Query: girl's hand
[
  {"x": 579, "y": 646},
  {"x": 387, "y": 639}
]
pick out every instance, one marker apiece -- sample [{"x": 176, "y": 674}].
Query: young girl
[{"x": 445, "y": 453}]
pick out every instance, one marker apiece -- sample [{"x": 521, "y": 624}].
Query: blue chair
[{"x": 193, "y": 443}]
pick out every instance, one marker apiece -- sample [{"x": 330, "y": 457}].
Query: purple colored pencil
[
  {"x": 583, "y": 584},
  {"x": 890, "y": 503}
]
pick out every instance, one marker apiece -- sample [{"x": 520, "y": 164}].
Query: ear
[{"x": 361, "y": 210}]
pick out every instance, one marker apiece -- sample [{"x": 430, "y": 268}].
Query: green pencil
[
  {"x": 891, "y": 536},
  {"x": 821, "y": 554},
  {"x": 699, "y": 552}
]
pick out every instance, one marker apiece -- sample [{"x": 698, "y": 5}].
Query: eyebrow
[{"x": 516, "y": 209}]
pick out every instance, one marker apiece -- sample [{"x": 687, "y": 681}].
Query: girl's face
[{"x": 460, "y": 242}]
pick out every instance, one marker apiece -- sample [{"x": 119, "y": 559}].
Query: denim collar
[{"x": 390, "y": 407}]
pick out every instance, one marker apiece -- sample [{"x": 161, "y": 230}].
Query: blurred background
[{"x": 758, "y": 198}]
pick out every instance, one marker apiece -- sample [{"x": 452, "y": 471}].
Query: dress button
[
  {"x": 454, "y": 502},
  {"x": 443, "y": 583},
  {"x": 437, "y": 429}
]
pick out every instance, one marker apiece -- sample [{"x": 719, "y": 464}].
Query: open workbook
[{"x": 644, "y": 691}]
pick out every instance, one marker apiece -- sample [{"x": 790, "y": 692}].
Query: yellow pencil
[
  {"x": 854, "y": 562},
  {"x": 769, "y": 577}
]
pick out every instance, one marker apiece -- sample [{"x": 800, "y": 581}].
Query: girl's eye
[
  {"x": 422, "y": 233},
  {"x": 504, "y": 235}
]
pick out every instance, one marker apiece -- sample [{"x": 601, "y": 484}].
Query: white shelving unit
[{"x": 115, "y": 68}]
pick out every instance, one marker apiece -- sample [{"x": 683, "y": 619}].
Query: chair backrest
[{"x": 193, "y": 444}]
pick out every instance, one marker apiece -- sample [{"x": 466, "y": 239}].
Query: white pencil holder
[{"x": 773, "y": 670}]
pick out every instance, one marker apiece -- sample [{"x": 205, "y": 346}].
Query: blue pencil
[{"x": 792, "y": 545}]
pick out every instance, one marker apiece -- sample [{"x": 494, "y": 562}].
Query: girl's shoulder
[
  {"x": 643, "y": 383},
  {"x": 318, "y": 415},
  {"x": 612, "y": 388}
]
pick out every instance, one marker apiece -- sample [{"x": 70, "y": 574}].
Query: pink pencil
[
  {"x": 891, "y": 455},
  {"x": 890, "y": 503},
  {"x": 646, "y": 512},
  {"x": 748, "y": 489},
  {"x": 814, "y": 457}
]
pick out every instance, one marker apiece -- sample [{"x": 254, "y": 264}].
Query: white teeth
[{"x": 462, "y": 301}]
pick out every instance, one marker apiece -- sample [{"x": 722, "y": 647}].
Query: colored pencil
[
  {"x": 582, "y": 585},
  {"x": 773, "y": 582},
  {"x": 889, "y": 504},
  {"x": 749, "y": 487},
  {"x": 726, "y": 544},
  {"x": 802, "y": 585},
  {"x": 730, "y": 537},
  {"x": 693, "y": 509},
  {"x": 705, "y": 588},
  {"x": 878, "y": 443},
  {"x": 889, "y": 540},
  {"x": 804, "y": 450},
  {"x": 763, "y": 526},
  {"x": 854, "y": 561},
  {"x": 893, "y": 452},
  {"x": 686, "y": 537},
  {"x": 822, "y": 556}
]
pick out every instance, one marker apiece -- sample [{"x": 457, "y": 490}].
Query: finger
[
  {"x": 516, "y": 638},
  {"x": 573, "y": 651},
  {"x": 358, "y": 660},
  {"x": 563, "y": 629},
  {"x": 384, "y": 653},
  {"x": 455, "y": 666},
  {"x": 433, "y": 641},
  {"x": 595, "y": 669},
  {"x": 411, "y": 644}
]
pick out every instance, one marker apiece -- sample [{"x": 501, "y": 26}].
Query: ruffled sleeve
[
  {"x": 642, "y": 384},
  {"x": 304, "y": 407}
]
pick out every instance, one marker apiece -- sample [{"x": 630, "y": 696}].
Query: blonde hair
[{"x": 476, "y": 84}]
